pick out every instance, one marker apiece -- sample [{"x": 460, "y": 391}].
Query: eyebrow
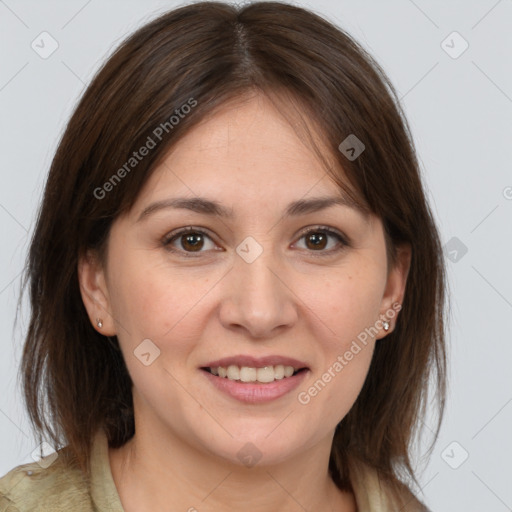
[{"x": 211, "y": 207}]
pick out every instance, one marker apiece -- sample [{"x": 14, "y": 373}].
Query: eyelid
[
  {"x": 333, "y": 232},
  {"x": 328, "y": 229},
  {"x": 168, "y": 238}
]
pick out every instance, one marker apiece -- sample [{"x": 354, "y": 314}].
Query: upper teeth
[{"x": 251, "y": 374}]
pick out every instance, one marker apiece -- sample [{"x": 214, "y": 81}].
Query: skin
[{"x": 289, "y": 301}]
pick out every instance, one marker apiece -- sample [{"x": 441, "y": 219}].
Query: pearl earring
[
  {"x": 385, "y": 325},
  {"x": 99, "y": 323}
]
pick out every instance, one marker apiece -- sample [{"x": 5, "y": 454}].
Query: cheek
[
  {"x": 343, "y": 381},
  {"x": 349, "y": 307},
  {"x": 343, "y": 364},
  {"x": 158, "y": 302},
  {"x": 346, "y": 303}
]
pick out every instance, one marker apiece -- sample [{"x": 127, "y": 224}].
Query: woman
[{"x": 237, "y": 285}]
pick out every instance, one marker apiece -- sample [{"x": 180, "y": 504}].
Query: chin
[{"x": 266, "y": 442}]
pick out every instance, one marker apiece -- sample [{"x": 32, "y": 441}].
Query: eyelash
[{"x": 343, "y": 240}]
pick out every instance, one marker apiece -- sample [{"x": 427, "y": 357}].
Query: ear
[
  {"x": 94, "y": 291},
  {"x": 395, "y": 288}
]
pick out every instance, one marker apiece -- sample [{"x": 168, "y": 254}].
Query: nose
[{"x": 258, "y": 298}]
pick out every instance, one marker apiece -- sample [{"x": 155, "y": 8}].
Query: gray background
[{"x": 460, "y": 111}]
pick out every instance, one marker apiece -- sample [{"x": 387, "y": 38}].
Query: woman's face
[{"x": 265, "y": 288}]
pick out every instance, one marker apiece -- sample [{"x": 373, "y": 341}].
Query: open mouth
[{"x": 247, "y": 374}]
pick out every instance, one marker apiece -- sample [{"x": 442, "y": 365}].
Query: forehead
[
  {"x": 246, "y": 137},
  {"x": 245, "y": 148}
]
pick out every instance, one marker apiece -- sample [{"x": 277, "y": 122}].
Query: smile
[
  {"x": 262, "y": 375},
  {"x": 255, "y": 379}
]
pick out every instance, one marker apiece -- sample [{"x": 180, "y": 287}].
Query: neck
[{"x": 156, "y": 468}]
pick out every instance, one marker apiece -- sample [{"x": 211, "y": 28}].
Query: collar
[{"x": 103, "y": 489}]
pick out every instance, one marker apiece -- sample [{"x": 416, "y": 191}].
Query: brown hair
[{"x": 206, "y": 54}]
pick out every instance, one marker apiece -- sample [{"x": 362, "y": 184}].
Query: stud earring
[
  {"x": 99, "y": 323},
  {"x": 385, "y": 325}
]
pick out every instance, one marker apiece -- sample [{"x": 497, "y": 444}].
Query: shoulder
[{"x": 48, "y": 484}]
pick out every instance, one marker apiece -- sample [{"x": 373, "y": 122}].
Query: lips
[{"x": 253, "y": 379}]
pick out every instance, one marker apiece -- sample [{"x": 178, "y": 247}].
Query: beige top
[{"x": 48, "y": 485}]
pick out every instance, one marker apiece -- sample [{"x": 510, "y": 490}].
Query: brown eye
[
  {"x": 188, "y": 241},
  {"x": 316, "y": 240},
  {"x": 192, "y": 241}
]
